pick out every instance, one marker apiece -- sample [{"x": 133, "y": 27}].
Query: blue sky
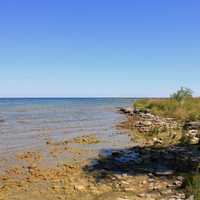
[{"x": 98, "y": 47}]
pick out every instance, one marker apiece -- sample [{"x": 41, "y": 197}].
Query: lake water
[{"x": 29, "y": 123}]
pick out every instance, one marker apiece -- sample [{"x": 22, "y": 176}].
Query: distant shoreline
[{"x": 2, "y": 98}]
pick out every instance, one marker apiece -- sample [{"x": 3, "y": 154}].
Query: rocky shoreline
[
  {"x": 177, "y": 154},
  {"x": 155, "y": 169},
  {"x": 143, "y": 121}
]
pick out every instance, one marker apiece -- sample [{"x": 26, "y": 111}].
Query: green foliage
[
  {"x": 188, "y": 109},
  {"x": 182, "y": 94}
]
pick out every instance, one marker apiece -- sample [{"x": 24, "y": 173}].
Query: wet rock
[
  {"x": 194, "y": 140},
  {"x": 129, "y": 110},
  {"x": 86, "y": 139},
  {"x": 2, "y": 120},
  {"x": 165, "y": 173},
  {"x": 192, "y": 125},
  {"x": 49, "y": 142},
  {"x": 30, "y": 156}
]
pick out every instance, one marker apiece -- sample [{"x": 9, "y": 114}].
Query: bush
[{"x": 182, "y": 94}]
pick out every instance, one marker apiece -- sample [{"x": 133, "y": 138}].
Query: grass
[
  {"x": 181, "y": 108},
  {"x": 187, "y": 110},
  {"x": 193, "y": 185}
]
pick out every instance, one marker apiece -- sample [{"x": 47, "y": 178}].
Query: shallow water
[{"x": 29, "y": 123}]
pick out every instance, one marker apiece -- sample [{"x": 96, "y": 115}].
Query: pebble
[
  {"x": 141, "y": 195},
  {"x": 165, "y": 192},
  {"x": 191, "y": 198},
  {"x": 79, "y": 187}
]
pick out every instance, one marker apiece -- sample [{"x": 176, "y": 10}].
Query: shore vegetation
[
  {"x": 183, "y": 108},
  {"x": 181, "y": 105}
]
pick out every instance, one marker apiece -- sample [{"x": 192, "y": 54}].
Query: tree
[{"x": 182, "y": 94}]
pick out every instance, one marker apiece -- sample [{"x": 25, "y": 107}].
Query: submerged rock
[
  {"x": 86, "y": 139},
  {"x": 2, "y": 120}
]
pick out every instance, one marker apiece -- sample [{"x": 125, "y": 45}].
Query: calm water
[{"x": 29, "y": 123}]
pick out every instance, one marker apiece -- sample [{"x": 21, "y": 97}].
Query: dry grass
[{"x": 189, "y": 109}]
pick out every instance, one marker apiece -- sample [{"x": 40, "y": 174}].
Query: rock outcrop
[
  {"x": 192, "y": 132},
  {"x": 147, "y": 122},
  {"x": 192, "y": 125}
]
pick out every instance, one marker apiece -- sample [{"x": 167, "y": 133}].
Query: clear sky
[{"x": 98, "y": 47}]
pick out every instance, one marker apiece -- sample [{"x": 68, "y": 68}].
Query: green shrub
[{"x": 182, "y": 94}]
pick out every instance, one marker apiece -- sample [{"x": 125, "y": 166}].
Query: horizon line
[{"x": 79, "y": 97}]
